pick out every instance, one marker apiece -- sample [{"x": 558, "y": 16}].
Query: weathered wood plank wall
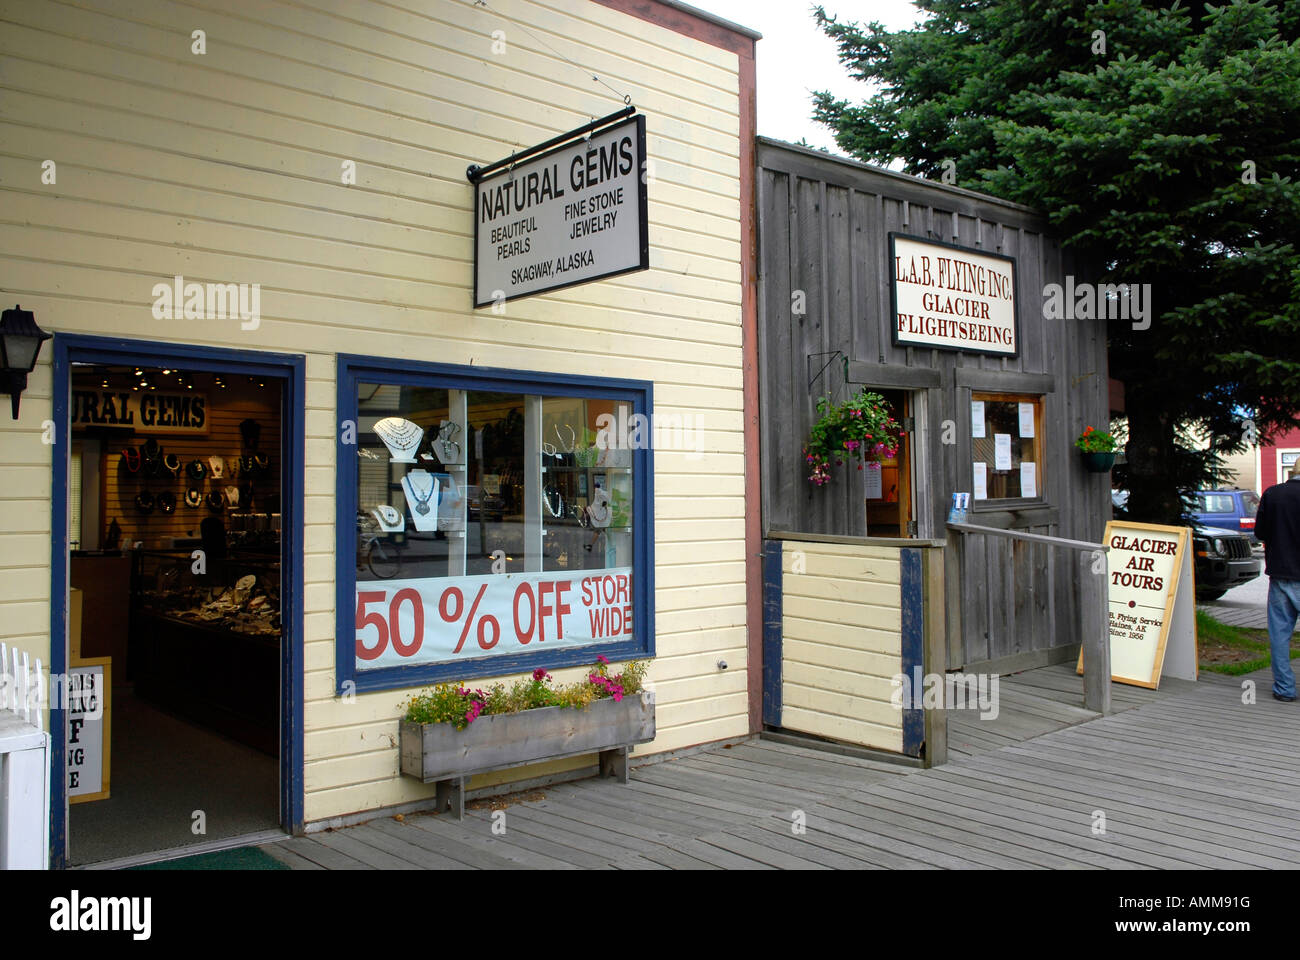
[{"x": 824, "y": 225}]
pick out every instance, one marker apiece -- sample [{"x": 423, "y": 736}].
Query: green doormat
[{"x": 241, "y": 858}]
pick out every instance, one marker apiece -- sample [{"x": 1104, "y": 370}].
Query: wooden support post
[
  {"x": 953, "y": 591},
  {"x": 936, "y": 650},
  {"x": 613, "y": 763},
  {"x": 450, "y": 794},
  {"x": 1095, "y": 616}
]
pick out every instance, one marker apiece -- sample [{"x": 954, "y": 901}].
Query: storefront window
[
  {"x": 1007, "y": 446},
  {"x": 500, "y": 523}
]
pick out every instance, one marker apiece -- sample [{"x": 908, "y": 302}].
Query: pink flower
[
  {"x": 601, "y": 659},
  {"x": 539, "y": 675}
]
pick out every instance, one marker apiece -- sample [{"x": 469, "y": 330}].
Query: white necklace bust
[{"x": 401, "y": 437}]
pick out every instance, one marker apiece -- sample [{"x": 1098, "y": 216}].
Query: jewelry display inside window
[{"x": 470, "y": 483}]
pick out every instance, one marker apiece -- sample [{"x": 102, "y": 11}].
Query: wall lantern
[{"x": 20, "y": 342}]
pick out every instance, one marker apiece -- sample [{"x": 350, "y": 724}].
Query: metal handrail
[
  {"x": 1031, "y": 537},
  {"x": 1095, "y": 608}
]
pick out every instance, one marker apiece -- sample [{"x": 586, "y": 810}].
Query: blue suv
[{"x": 1228, "y": 510}]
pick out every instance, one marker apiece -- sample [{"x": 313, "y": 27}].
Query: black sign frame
[
  {"x": 890, "y": 266},
  {"x": 642, "y": 209}
]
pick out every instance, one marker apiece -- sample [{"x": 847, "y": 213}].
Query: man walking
[{"x": 1277, "y": 525}]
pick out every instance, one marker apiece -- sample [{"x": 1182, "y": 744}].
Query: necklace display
[
  {"x": 390, "y": 519},
  {"x": 421, "y": 489},
  {"x": 443, "y": 444},
  {"x": 598, "y": 510},
  {"x": 447, "y": 437},
  {"x": 422, "y": 498},
  {"x": 401, "y": 437},
  {"x": 573, "y": 438},
  {"x": 556, "y": 511}
]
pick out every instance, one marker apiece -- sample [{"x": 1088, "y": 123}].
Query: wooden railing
[
  {"x": 24, "y": 764},
  {"x": 1095, "y": 628},
  {"x": 21, "y": 686}
]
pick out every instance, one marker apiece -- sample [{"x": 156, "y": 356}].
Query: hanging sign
[
  {"x": 1149, "y": 593},
  {"x": 952, "y": 298},
  {"x": 571, "y": 215},
  {"x": 145, "y": 411}
]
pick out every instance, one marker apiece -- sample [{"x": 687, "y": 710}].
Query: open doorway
[
  {"x": 181, "y": 566},
  {"x": 888, "y": 492}
]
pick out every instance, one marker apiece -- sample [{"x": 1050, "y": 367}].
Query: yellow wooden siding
[
  {"x": 226, "y": 167},
  {"x": 841, "y": 642}
]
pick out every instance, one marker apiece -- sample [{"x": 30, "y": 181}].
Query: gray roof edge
[
  {"x": 713, "y": 18},
  {"x": 904, "y": 177}
]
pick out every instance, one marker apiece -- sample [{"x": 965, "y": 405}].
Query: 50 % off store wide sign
[{"x": 408, "y": 622}]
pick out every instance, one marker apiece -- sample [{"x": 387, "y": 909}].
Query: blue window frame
[{"x": 489, "y": 522}]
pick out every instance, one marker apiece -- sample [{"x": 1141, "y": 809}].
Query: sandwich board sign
[{"x": 1149, "y": 590}]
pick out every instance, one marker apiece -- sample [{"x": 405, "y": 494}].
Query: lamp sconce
[{"x": 20, "y": 343}]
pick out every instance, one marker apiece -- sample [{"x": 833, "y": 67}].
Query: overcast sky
[{"x": 794, "y": 58}]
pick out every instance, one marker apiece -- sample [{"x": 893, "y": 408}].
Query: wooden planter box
[{"x": 439, "y": 753}]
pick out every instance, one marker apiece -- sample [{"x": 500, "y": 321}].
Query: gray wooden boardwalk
[
  {"x": 1188, "y": 778},
  {"x": 1039, "y": 701}
]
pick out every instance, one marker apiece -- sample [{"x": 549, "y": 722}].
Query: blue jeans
[{"x": 1283, "y": 608}]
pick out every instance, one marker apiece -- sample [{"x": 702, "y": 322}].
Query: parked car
[
  {"x": 1222, "y": 556},
  {"x": 1223, "y": 559},
  {"x": 1227, "y": 510}
]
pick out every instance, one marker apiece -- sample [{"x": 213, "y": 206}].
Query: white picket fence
[{"x": 24, "y": 764}]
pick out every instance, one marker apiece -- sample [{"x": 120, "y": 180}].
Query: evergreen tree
[{"x": 1163, "y": 146}]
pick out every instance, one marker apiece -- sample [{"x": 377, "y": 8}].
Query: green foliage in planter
[
  {"x": 1096, "y": 441},
  {"x": 456, "y": 704},
  {"x": 859, "y": 429}
]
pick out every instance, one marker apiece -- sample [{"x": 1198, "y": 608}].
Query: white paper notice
[
  {"x": 875, "y": 484},
  {"x": 977, "y": 418},
  {"x": 1026, "y": 419},
  {"x": 1028, "y": 480},
  {"x": 981, "y": 481},
  {"x": 1001, "y": 451}
]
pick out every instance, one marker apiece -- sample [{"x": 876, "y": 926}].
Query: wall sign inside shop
[
  {"x": 952, "y": 298},
  {"x": 568, "y": 216},
  {"x": 406, "y": 622},
  {"x": 147, "y": 411},
  {"x": 89, "y": 683}
]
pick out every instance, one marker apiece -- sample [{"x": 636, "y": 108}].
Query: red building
[{"x": 1277, "y": 455}]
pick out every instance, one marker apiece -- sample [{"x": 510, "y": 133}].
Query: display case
[{"x": 205, "y": 640}]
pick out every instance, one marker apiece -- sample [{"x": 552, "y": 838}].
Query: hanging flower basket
[
  {"x": 859, "y": 430},
  {"x": 1098, "y": 462},
  {"x": 1098, "y": 448}
]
